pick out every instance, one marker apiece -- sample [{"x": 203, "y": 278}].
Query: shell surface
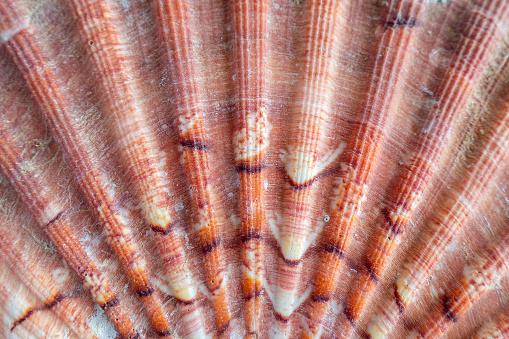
[{"x": 254, "y": 168}]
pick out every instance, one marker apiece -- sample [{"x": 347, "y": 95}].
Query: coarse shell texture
[{"x": 254, "y": 169}]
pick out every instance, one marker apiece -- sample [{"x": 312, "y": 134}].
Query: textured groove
[
  {"x": 478, "y": 277},
  {"x": 441, "y": 229},
  {"x": 25, "y": 316},
  {"x": 419, "y": 170},
  {"x": 307, "y": 115},
  {"x": 411, "y": 184},
  {"x": 365, "y": 142},
  {"x": 497, "y": 328},
  {"x": 254, "y": 168},
  {"x": 250, "y": 140},
  {"x": 456, "y": 206},
  {"x": 173, "y": 18},
  {"x": 136, "y": 138},
  {"x": 24, "y": 50},
  {"x": 62, "y": 237},
  {"x": 72, "y": 313}
]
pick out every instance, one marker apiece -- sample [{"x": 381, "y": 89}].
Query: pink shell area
[{"x": 254, "y": 168}]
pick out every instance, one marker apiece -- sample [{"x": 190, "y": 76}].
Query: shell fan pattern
[{"x": 254, "y": 169}]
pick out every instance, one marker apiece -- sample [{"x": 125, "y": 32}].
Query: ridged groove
[
  {"x": 61, "y": 235},
  {"x": 478, "y": 277},
  {"x": 448, "y": 220},
  {"x": 307, "y": 115},
  {"x": 397, "y": 153},
  {"x": 497, "y": 328},
  {"x": 251, "y": 142},
  {"x": 23, "y": 311},
  {"x": 24, "y": 50},
  {"x": 174, "y": 29},
  {"x": 454, "y": 211},
  {"x": 67, "y": 307},
  {"x": 365, "y": 143},
  {"x": 136, "y": 138}
]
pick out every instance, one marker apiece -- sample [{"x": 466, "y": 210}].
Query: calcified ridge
[{"x": 254, "y": 168}]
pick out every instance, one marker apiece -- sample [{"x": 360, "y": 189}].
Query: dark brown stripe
[
  {"x": 401, "y": 22},
  {"x": 224, "y": 328},
  {"x": 448, "y": 311},
  {"x": 58, "y": 298},
  {"x": 292, "y": 263},
  {"x": 110, "y": 303},
  {"x": 23, "y": 318},
  {"x": 47, "y": 306},
  {"x": 185, "y": 302},
  {"x": 252, "y": 295},
  {"x": 371, "y": 271},
  {"x": 349, "y": 316},
  {"x": 165, "y": 333},
  {"x": 251, "y": 236},
  {"x": 145, "y": 291},
  {"x": 398, "y": 299},
  {"x": 59, "y": 215},
  {"x": 393, "y": 226},
  {"x": 160, "y": 230},
  {"x": 320, "y": 298},
  {"x": 297, "y": 187},
  {"x": 333, "y": 248},
  {"x": 210, "y": 247},
  {"x": 196, "y": 144},
  {"x": 250, "y": 168},
  {"x": 280, "y": 318}
]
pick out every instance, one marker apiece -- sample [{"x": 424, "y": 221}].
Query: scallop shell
[{"x": 254, "y": 168}]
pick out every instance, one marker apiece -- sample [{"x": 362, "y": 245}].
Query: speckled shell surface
[{"x": 254, "y": 169}]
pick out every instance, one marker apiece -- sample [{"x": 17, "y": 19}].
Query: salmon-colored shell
[{"x": 254, "y": 169}]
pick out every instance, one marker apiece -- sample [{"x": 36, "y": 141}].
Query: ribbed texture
[{"x": 254, "y": 169}]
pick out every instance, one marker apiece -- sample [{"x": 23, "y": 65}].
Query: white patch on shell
[
  {"x": 490, "y": 330},
  {"x": 253, "y": 138},
  {"x": 274, "y": 228},
  {"x": 405, "y": 213},
  {"x": 413, "y": 335},
  {"x": 293, "y": 246},
  {"x": 301, "y": 166},
  {"x": 156, "y": 216},
  {"x": 202, "y": 220},
  {"x": 376, "y": 328},
  {"x": 7, "y": 34},
  {"x": 404, "y": 283},
  {"x": 162, "y": 283},
  {"x": 184, "y": 290},
  {"x": 60, "y": 275},
  {"x": 179, "y": 206},
  {"x": 235, "y": 220},
  {"x": 251, "y": 270},
  {"x": 285, "y": 303},
  {"x": 99, "y": 323},
  {"x": 187, "y": 122}
]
